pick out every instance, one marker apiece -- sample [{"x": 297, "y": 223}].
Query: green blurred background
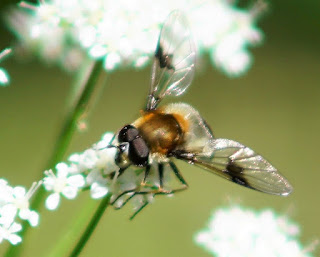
[{"x": 274, "y": 109}]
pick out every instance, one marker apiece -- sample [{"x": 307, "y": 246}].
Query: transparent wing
[
  {"x": 239, "y": 164},
  {"x": 174, "y": 60}
]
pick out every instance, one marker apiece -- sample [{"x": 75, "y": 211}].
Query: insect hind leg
[{"x": 139, "y": 210}]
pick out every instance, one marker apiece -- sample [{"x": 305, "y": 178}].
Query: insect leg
[
  {"x": 114, "y": 175},
  {"x": 139, "y": 210},
  {"x": 147, "y": 171},
  {"x": 125, "y": 202},
  {"x": 122, "y": 194},
  {"x": 178, "y": 174},
  {"x": 160, "y": 168}
]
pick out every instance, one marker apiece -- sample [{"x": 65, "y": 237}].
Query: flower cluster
[
  {"x": 124, "y": 33},
  {"x": 14, "y": 204},
  {"x": 235, "y": 231},
  {"x": 4, "y": 77},
  {"x": 88, "y": 170}
]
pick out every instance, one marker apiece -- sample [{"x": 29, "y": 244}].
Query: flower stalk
[
  {"x": 73, "y": 118},
  {"x": 91, "y": 226}
]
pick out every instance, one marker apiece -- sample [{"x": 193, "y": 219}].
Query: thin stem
[
  {"x": 76, "y": 113},
  {"x": 75, "y": 227},
  {"x": 91, "y": 226}
]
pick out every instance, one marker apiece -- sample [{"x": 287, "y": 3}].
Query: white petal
[
  {"x": 53, "y": 201},
  {"x": 98, "y": 191},
  {"x": 24, "y": 214},
  {"x": 105, "y": 141},
  {"x": 70, "y": 192},
  {"x": 62, "y": 170},
  {"x": 8, "y": 214},
  {"x": 19, "y": 192},
  {"x": 93, "y": 176},
  {"x": 74, "y": 158},
  {"x": 76, "y": 180},
  {"x": 33, "y": 218},
  {"x": 74, "y": 169},
  {"x": 88, "y": 159},
  {"x": 112, "y": 60},
  {"x": 4, "y": 77},
  {"x": 3, "y": 182},
  {"x": 48, "y": 183},
  {"x": 15, "y": 227},
  {"x": 14, "y": 239},
  {"x": 107, "y": 159},
  {"x": 62, "y": 166},
  {"x": 98, "y": 51}
]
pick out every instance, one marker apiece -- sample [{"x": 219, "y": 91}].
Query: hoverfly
[{"x": 177, "y": 130}]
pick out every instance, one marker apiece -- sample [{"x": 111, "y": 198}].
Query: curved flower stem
[
  {"x": 91, "y": 226},
  {"x": 77, "y": 111}
]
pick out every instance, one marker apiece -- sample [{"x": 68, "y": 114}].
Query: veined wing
[
  {"x": 174, "y": 60},
  {"x": 238, "y": 163}
]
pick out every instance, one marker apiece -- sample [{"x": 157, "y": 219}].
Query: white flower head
[
  {"x": 125, "y": 33},
  {"x": 16, "y": 200},
  {"x": 8, "y": 214},
  {"x": 4, "y": 76},
  {"x": 21, "y": 202},
  {"x": 90, "y": 169},
  {"x": 99, "y": 186},
  {"x": 8, "y": 232},
  {"x": 14, "y": 204},
  {"x": 236, "y": 231},
  {"x": 5, "y": 193},
  {"x": 64, "y": 182}
]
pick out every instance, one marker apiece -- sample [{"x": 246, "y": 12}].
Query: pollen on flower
[
  {"x": 125, "y": 35},
  {"x": 235, "y": 231}
]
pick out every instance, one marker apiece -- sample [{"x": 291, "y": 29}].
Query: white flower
[
  {"x": 7, "y": 232},
  {"x": 5, "y": 192},
  {"x": 99, "y": 184},
  {"x": 239, "y": 232},
  {"x": 16, "y": 200},
  {"x": 14, "y": 203},
  {"x": 62, "y": 183},
  {"x": 21, "y": 203},
  {"x": 89, "y": 169},
  {"x": 124, "y": 33},
  {"x": 84, "y": 161},
  {"x": 4, "y": 76},
  {"x": 98, "y": 157},
  {"x": 8, "y": 214}
]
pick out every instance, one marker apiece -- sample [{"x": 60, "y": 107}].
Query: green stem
[
  {"x": 75, "y": 227},
  {"x": 70, "y": 125},
  {"x": 91, "y": 226}
]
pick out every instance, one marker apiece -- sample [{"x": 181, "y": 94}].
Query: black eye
[
  {"x": 139, "y": 152},
  {"x": 127, "y": 134}
]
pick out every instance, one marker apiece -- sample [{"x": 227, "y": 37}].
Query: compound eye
[
  {"x": 127, "y": 134},
  {"x": 139, "y": 152}
]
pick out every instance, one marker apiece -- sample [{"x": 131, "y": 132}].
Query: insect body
[{"x": 177, "y": 130}]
